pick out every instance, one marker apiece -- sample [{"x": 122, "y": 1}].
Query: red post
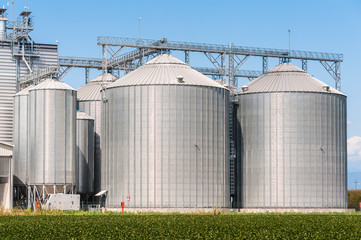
[{"x": 122, "y": 204}]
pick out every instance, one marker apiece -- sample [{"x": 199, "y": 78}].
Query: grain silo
[
  {"x": 89, "y": 101},
  {"x": 291, "y": 142},
  {"x": 52, "y": 117},
  {"x": 84, "y": 153},
  {"x": 20, "y": 136},
  {"x": 165, "y": 138}
]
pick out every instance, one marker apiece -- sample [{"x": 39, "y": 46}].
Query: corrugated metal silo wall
[
  {"x": 166, "y": 146},
  {"x": 293, "y": 150},
  {"x": 21, "y": 133},
  {"x": 85, "y": 155},
  {"x": 52, "y": 117},
  {"x": 48, "y": 55},
  {"x": 93, "y": 109}
]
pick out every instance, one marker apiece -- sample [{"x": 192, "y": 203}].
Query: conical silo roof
[
  {"x": 25, "y": 91},
  {"x": 165, "y": 70},
  {"x": 91, "y": 90},
  {"x": 286, "y": 77},
  {"x": 52, "y": 83},
  {"x": 83, "y": 116}
]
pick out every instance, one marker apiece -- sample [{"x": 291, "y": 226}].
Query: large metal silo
[
  {"x": 84, "y": 153},
  {"x": 20, "y": 137},
  {"x": 89, "y": 101},
  {"x": 165, "y": 138},
  {"x": 52, "y": 117},
  {"x": 291, "y": 142}
]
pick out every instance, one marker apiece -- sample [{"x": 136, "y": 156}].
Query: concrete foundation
[
  {"x": 168, "y": 210},
  {"x": 244, "y": 210}
]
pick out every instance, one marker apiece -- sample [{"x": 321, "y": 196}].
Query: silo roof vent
[{"x": 180, "y": 79}]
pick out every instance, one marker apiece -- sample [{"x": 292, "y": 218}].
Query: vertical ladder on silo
[{"x": 232, "y": 158}]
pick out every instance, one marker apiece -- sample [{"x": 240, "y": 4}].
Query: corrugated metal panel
[
  {"x": 21, "y": 135},
  {"x": 287, "y": 78},
  {"x": 80, "y": 115},
  {"x": 85, "y": 153},
  {"x": 6, "y": 150},
  {"x": 92, "y": 90},
  {"x": 291, "y": 143},
  {"x": 52, "y": 137},
  {"x": 48, "y": 55},
  {"x": 93, "y": 109},
  {"x": 89, "y": 97},
  {"x": 165, "y": 69},
  {"x": 166, "y": 146}
]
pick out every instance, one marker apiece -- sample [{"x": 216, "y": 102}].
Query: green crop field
[{"x": 182, "y": 226}]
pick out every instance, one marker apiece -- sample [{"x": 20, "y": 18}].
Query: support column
[
  {"x": 186, "y": 57},
  {"x": 86, "y": 75},
  {"x": 264, "y": 64},
  {"x": 304, "y": 65},
  {"x": 231, "y": 69},
  {"x": 104, "y": 59}
]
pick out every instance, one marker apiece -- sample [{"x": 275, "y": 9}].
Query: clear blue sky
[{"x": 323, "y": 25}]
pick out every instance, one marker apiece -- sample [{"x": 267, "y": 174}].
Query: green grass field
[{"x": 182, "y": 226}]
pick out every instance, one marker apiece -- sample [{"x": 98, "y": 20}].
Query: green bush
[{"x": 354, "y": 199}]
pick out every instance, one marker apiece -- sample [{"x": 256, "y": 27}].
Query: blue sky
[{"x": 323, "y": 25}]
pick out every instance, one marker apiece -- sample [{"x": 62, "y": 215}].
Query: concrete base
[
  {"x": 168, "y": 210},
  {"x": 243, "y": 210}
]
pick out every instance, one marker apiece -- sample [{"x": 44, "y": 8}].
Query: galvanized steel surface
[
  {"x": 20, "y": 136},
  {"x": 166, "y": 146},
  {"x": 93, "y": 109},
  {"x": 89, "y": 101},
  {"x": 2, "y": 29},
  {"x": 52, "y": 117},
  {"x": 92, "y": 90},
  {"x": 6, "y": 150},
  {"x": 85, "y": 153},
  {"x": 291, "y": 149},
  {"x": 47, "y": 55}
]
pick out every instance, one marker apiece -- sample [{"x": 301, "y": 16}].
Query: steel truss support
[
  {"x": 186, "y": 57},
  {"x": 284, "y": 60},
  {"x": 104, "y": 59},
  {"x": 264, "y": 64},
  {"x": 239, "y": 62},
  {"x": 86, "y": 75},
  {"x": 304, "y": 65},
  {"x": 141, "y": 57},
  {"x": 63, "y": 72},
  {"x": 231, "y": 77},
  {"x": 218, "y": 61},
  {"x": 334, "y": 69}
]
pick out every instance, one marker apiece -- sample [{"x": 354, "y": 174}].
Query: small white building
[{"x": 6, "y": 175}]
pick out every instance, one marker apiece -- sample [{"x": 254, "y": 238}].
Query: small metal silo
[
  {"x": 165, "y": 138},
  {"x": 85, "y": 153},
  {"x": 89, "y": 101},
  {"x": 52, "y": 117},
  {"x": 291, "y": 142},
  {"x": 20, "y": 137}
]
